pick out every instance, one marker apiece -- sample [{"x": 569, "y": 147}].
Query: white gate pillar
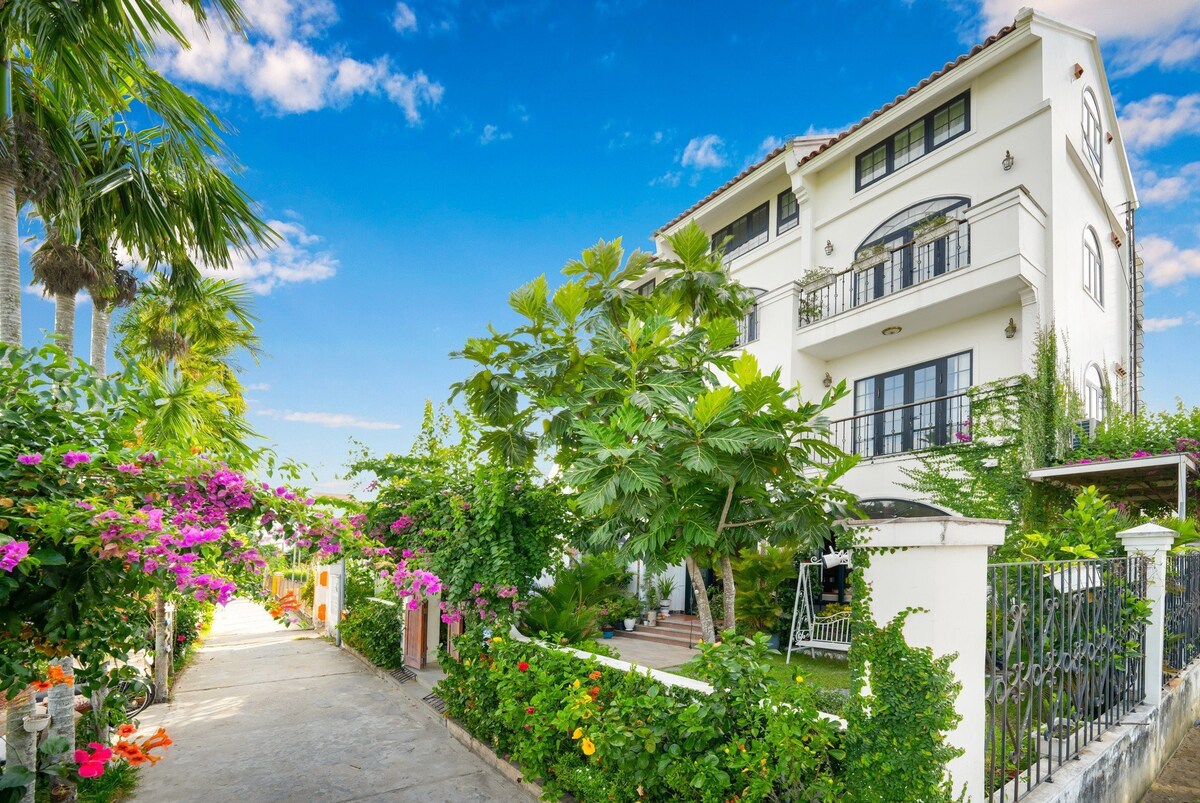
[
  {"x": 940, "y": 565},
  {"x": 1152, "y": 541}
]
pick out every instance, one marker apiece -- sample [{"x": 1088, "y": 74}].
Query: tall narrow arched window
[
  {"x": 1093, "y": 266},
  {"x": 1093, "y": 393},
  {"x": 1093, "y": 133},
  {"x": 748, "y": 326}
]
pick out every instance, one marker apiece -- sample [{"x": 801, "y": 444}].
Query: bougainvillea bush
[{"x": 601, "y": 734}]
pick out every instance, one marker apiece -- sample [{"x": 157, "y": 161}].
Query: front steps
[{"x": 680, "y": 630}]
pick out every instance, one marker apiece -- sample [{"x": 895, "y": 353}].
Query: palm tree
[
  {"x": 116, "y": 289},
  {"x": 64, "y": 270},
  {"x": 98, "y": 51}
]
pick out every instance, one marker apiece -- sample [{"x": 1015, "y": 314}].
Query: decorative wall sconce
[
  {"x": 828, "y": 247},
  {"x": 1116, "y": 239},
  {"x": 828, "y": 380},
  {"x": 1078, "y": 71},
  {"x": 1119, "y": 369},
  {"x": 892, "y": 330},
  {"x": 1010, "y": 331},
  {"x": 1008, "y": 160},
  {"x": 1108, "y": 137}
]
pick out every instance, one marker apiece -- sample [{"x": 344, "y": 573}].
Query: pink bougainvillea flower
[
  {"x": 72, "y": 459},
  {"x": 13, "y": 553},
  {"x": 29, "y": 459}
]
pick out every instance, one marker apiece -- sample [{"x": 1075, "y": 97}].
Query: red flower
[
  {"x": 529, "y": 710},
  {"x": 523, "y": 667},
  {"x": 594, "y": 691}
]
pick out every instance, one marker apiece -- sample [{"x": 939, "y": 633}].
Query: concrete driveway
[{"x": 266, "y": 714}]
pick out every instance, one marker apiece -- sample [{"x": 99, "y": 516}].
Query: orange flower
[
  {"x": 594, "y": 675},
  {"x": 126, "y": 730},
  {"x": 159, "y": 739},
  {"x": 289, "y": 602},
  {"x": 56, "y": 676},
  {"x": 41, "y": 685},
  {"x": 594, "y": 691}
]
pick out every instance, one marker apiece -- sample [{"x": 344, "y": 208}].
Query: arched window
[
  {"x": 914, "y": 245},
  {"x": 748, "y": 326},
  {"x": 1093, "y": 393},
  {"x": 1093, "y": 133},
  {"x": 1093, "y": 266}
]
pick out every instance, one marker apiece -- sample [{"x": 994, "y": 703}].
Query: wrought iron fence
[
  {"x": 875, "y": 276},
  {"x": 1064, "y": 647},
  {"x": 1182, "y": 631}
]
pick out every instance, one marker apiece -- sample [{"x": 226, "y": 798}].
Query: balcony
[
  {"x": 905, "y": 428},
  {"x": 986, "y": 259}
]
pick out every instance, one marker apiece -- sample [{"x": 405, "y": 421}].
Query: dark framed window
[
  {"x": 645, "y": 289},
  {"x": 787, "y": 214},
  {"x": 917, "y": 244},
  {"x": 944, "y": 124},
  {"x": 913, "y": 408},
  {"x": 747, "y": 232},
  {"x": 748, "y": 326}
]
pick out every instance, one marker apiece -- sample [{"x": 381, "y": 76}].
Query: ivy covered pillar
[{"x": 938, "y": 565}]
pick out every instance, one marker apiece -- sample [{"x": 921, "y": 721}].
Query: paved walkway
[
  {"x": 268, "y": 715},
  {"x": 1179, "y": 782},
  {"x": 653, "y": 654}
]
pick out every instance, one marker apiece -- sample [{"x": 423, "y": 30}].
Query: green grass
[
  {"x": 116, "y": 784},
  {"x": 829, "y": 673}
]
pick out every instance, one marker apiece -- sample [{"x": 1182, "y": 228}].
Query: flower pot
[
  {"x": 36, "y": 722},
  {"x": 608, "y": 634},
  {"x": 649, "y": 620},
  {"x": 665, "y": 610},
  {"x": 630, "y": 623}
]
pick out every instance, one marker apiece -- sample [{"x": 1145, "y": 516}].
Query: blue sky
[{"x": 424, "y": 158}]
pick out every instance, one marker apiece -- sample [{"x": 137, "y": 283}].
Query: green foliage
[
  {"x": 600, "y": 734},
  {"x": 1088, "y": 529},
  {"x": 360, "y": 584},
  {"x": 762, "y": 581},
  {"x": 374, "y": 630},
  {"x": 572, "y": 608},
  {"x": 1122, "y": 434},
  {"x": 482, "y": 522},
  {"x": 900, "y": 709},
  {"x": 192, "y": 618}
]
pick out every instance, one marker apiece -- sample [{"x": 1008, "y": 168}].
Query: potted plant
[
  {"x": 626, "y": 609},
  {"x": 665, "y": 586},
  {"x": 606, "y": 630},
  {"x": 650, "y": 610}
]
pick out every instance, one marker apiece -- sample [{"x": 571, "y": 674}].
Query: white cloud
[
  {"x": 1160, "y": 324},
  {"x": 330, "y": 420},
  {"x": 294, "y": 259},
  {"x": 1168, "y": 189},
  {"x": 492, "y": 133},
  {"x": 769, "y": 144},
  {"x": 1166, "y": 263},
  {"x": 285, "y": 63},
  {"x": 1156, "y": 120},
  {"x": 1166, "y": 32},
  {"x": 259, "y": 386},
  {"x": 704, "y": 152},
  {"x": 668, "y": 179},
  {"x": 37, "y": 291},
  {"x": 403, "y": 18}
]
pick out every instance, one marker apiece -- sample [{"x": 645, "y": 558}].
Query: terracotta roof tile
[{"x": 950, "y": 65}]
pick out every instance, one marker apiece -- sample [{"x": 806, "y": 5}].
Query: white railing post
[
  {"x": 1152, "y": 541},
  {"x": 940, "y": 565}
]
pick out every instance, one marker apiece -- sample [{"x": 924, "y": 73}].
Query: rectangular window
[
  {"x": 913, "y": 408},
  {"x": 645, "y": 289},
  {"x": 909, "y": 144},
  {"x": 748, "y": 328},
  {"x": 787, "y": 216},
  {"x": 949, "y": 121},
  {"x": 935, "y": 129},
  {"x": 747, "y": 232}
]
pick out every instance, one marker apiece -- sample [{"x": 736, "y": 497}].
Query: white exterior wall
[{"x": 1026, "y": 232}]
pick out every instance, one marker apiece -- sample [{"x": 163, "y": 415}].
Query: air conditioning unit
[{"x": 1085, "y": 430}]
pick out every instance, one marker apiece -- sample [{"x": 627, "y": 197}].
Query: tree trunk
[
  {"x": 10, "y": 263},
  {"x": 99, "y": 694},
  {"x": 21, "y": 746},
  {"x": 707, "y": 631},
  {"x": 162, "y": 658},
  {"x": 729, "y": 593},
  {"x": 101, "y": 316},
  {"x": 64, "y": 321},
  {"x": 60, "y": 702}
]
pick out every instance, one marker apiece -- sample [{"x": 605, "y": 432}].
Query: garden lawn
[{"x": 829, "y": 673}]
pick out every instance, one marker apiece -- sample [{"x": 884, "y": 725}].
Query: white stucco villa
[{"x": 916, "y": 253}]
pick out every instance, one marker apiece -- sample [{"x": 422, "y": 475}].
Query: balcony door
[
  {"x": 912, "y": 408},
  {"x": 909, "y": 262}
]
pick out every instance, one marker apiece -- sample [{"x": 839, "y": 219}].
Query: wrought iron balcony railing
[
  {"x": 883, "y": 271},
  {"x": 905, "y": 428}
]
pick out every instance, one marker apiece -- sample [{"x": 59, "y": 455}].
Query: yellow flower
[
  {"x": 578, "y": 734},
  {"x": 799, "y": 678},
  {"x": 576, "y": 684},
  {"x": 585, "y": 714},
  {"x": 497, "y": 640},
  {"x": 588, "y": 747}
]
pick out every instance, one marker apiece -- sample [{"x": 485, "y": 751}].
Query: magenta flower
[
  {"x": 29, "y": 459},
  {"x": 13, "y": 553},
  {"x": 72, "y": 459}
]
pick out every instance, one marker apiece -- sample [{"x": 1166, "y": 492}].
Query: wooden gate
[{"x": 416, "y": 634}]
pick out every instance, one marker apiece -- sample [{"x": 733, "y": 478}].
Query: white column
[
  {"x": 1153, "y": 541},
  {"x": 940, "y": 565}
]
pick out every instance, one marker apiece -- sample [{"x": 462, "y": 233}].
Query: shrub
[
  {"x": 601, "y": 734},
  {"x": 373, "y": 629},
  {"x": 191, "y": 618}
]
